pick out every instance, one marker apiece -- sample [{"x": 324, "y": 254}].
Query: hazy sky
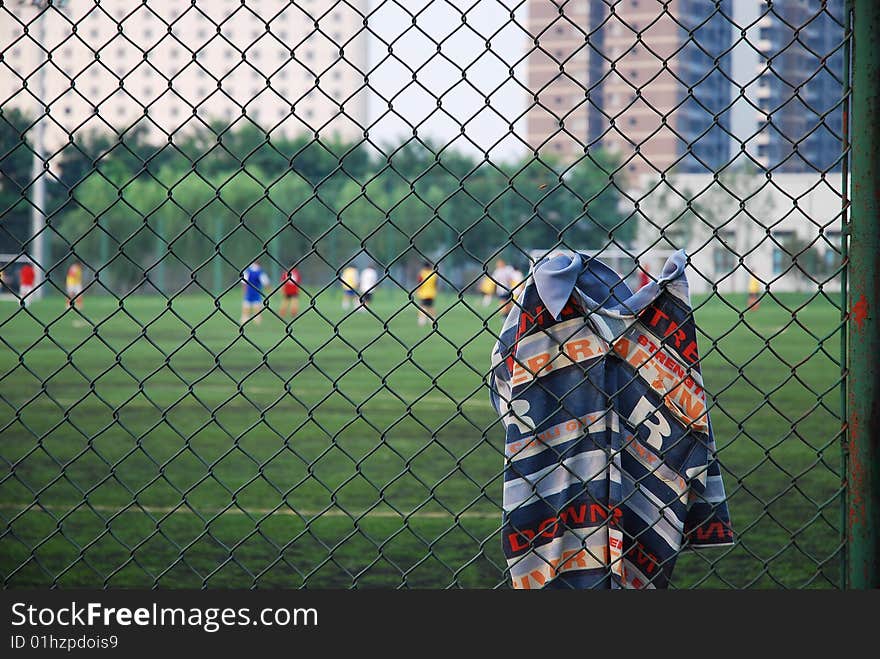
[{"x": 487, "y": 46}]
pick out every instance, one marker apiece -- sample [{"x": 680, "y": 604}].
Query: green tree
[{"x": 16, "y": 158}]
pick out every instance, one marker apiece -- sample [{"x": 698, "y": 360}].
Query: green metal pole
[
  {"x": 104, "y": 258},
  {"x": 863, "y": 474},
  {"x": 218, "y": 263},
  {"x": 160, "y": 255}
]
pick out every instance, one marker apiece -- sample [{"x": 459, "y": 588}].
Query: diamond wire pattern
[{"x": 454, "y": 536}]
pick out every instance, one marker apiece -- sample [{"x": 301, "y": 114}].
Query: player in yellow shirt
[
  {"x": 487, "y": 288},
  {"x": 349, "y": 280},
  {"x": 426, "y": 292},
  {"x": 73, "y": 284},
  {"x": 754, "y": 293}
]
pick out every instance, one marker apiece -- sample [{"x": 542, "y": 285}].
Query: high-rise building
[
  {"x": 800, "y": 88},
  {"x": 564, "y": 76},
  {"x": 170, "y": 66},
  {"x": 657, "y": 76}
]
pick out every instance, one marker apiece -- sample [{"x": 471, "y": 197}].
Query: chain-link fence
[{"x": 256, "y": 256}]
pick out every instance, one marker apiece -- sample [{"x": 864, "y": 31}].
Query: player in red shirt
[
  {"x": 290, "y": 292},
  {"x": 26, "y": 278}
]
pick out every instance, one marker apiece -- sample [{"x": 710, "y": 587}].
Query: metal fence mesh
[{"x": 153, "y": 433}]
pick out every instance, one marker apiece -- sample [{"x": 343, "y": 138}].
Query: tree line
[{"x": 200, "y": 207}]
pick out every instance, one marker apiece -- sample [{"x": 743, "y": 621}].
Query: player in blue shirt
[{"x": 253, "y": 281}]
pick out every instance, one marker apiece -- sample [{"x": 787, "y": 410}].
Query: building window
[
  {"x": 778, "y": 260},
  {"x": 781, "y": 257},
  {"x": 723, "y": 260}
]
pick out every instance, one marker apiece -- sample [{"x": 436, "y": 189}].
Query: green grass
[{"x": 158, "y": 445}]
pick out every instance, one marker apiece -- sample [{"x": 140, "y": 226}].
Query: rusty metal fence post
[{"x": 864, "y": 326}]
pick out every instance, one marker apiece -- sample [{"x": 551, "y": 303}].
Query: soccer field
[{"x": 157, "y": 445}]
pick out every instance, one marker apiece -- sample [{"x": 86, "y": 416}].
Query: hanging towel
[{"x": 610, "y": 466}]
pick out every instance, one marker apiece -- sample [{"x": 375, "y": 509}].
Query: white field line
[{"x": 186, "y": 510}]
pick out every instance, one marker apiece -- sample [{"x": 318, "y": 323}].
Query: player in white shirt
[
  {"x": 503, "y": 275},
  {"x": 367, "y": 282}
]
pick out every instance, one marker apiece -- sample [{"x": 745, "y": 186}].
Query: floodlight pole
[{"x": 38, "y": 165}]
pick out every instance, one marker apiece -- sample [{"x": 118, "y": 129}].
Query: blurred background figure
[
  {"x": 517, "y": 280},
  {"x": 349, "y": 281},
  {"x": 754, "y": 293},
  {"x": 487, "y": 288},
  {"x": 290, "y": 292},
  {"x": 73, "y": 285},
  {"x": 367, "y": 282},
  {"x": 426, "y": 292},
  {"x": 26, "y": 277},
  {"x": 253, "y": 281},
  {"x": 503, "y": 275}
]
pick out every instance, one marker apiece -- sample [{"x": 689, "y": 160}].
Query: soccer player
[
  {"x": 426, "y": 292},
  {"x": 253, "y": 281},
  {"x": 73, "y": 285},
  {"x": 290, "y": 292},
  {"x": 487, "y": 288},
  {"x": 517, "y": 279},
  {"x": 367, "y": 282},
  {"x": 26, "y": 277},
  {"x": 754, "y": 293},
  {"x": 349, "y": 281},
  {"x": 503, "y": 276}
]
